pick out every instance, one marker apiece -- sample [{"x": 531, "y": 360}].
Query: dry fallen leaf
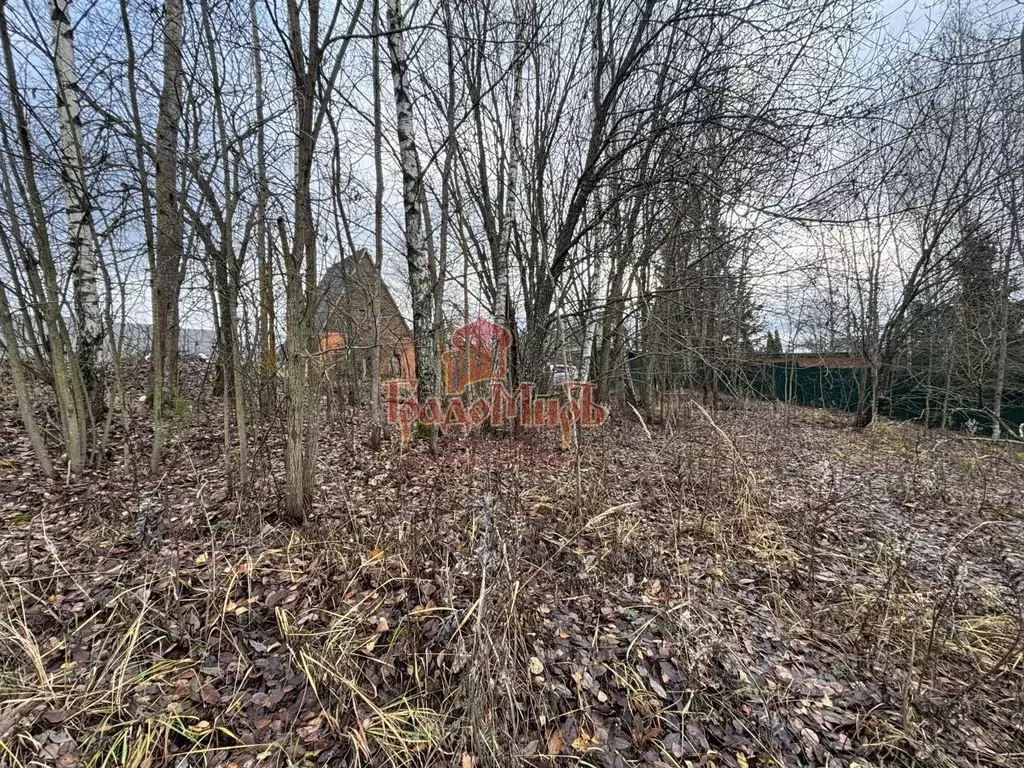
[
  {"x": 583, "y": 743},
  {"x": 309, "y": 731},
  {"x": 209, "y": 694},
  {"x": 556, "y": 742}
]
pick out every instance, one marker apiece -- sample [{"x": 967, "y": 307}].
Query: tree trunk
[
  {"x": 266, "y": 344},
  {"x": 947, "y": 384},
  {"x": 300, "y": 259},
  {"x": 1003, "y": 320},
  {"x": 300, "y": 274},
  {"x": 10, "y": 340},
  {"x": 139, "y": 140},
  {"x": 611, "y": 336},
  {"x": 591, "y": 316},
  {"x": 81, "y": 235},
  {"x": 169, "y": 227},
  {"x": 435, "y": 269},
  {"x": 227, "y": 270},
  {"x": 875, "y": 379},
  {"x": 502, "y": 303},
  {"x": 415, "y": 245},
  {"x": 40, "y": 269},
  {"x": 377, "y": 428}
]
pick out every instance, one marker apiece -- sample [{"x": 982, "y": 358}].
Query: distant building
[
  {"x": 345, "y": 323},
  {"x": 812, "y": 359},
  {"x": 137, "y": 340}
]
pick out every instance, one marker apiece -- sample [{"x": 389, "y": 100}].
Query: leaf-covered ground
[{"x": 751, "y": 587}]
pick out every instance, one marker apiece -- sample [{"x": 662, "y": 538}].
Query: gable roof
[{"x": 350, "y": 279}]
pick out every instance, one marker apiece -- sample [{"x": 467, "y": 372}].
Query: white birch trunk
[
  {"x": 502, "y": 303},
  {"x": 415, "y": 245},
  {"x": 42, "y": 274},
  {"x": 81, "y": 237}
]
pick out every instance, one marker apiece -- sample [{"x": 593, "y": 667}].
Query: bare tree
[
  {"x": 420, "y": 283},
  {"x": 78, "y": 204},
  {"x": 10, "y": 339},
  {"x": 169, "y": 245},
  {"x": 378, "y": 231},
  {"x": 311, "y": 104},
  {"x": 40, "y": 268},
  {"x": 265, "y": 333}
]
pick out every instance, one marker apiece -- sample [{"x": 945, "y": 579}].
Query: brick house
[{"x": 345, "y": 325}]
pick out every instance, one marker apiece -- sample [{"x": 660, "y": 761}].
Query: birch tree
[
  {"x": 78, "y": 204},
  {"x": 21, "y": 193},
  {"x": 420, "y": 284}
]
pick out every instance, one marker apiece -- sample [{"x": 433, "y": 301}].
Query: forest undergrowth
[{"x": 756, "y": 585}]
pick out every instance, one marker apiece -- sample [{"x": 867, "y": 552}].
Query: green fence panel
[{"x": 907, "y": 400}]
